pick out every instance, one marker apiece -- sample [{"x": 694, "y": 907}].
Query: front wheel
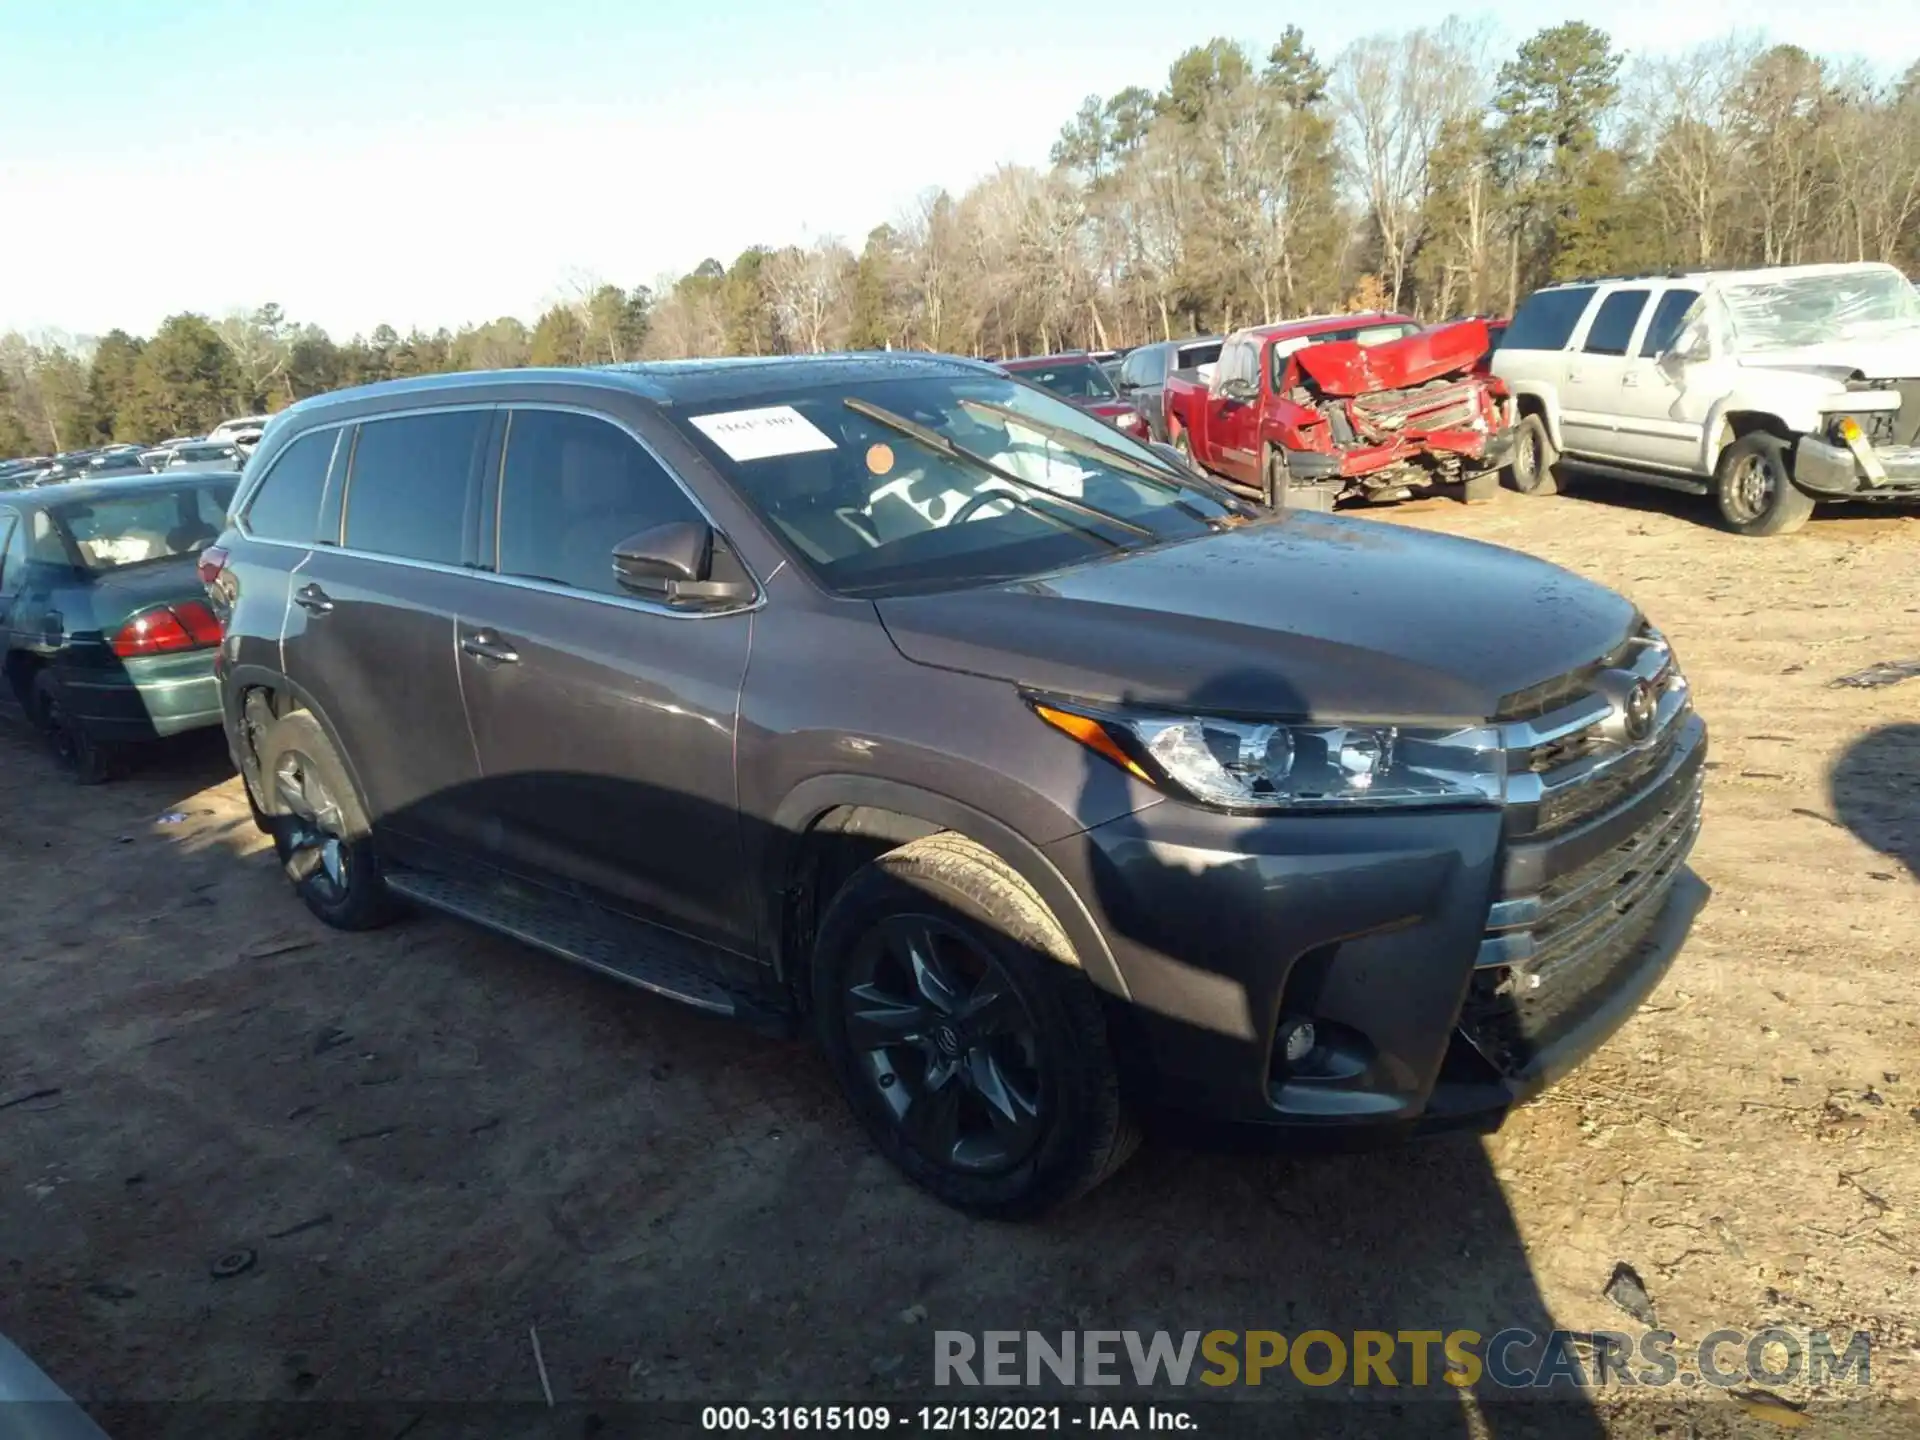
[
  {"x": 1534, "y": 467},
  {"x": 318, "y": 828},
  {"x": 970, "y": 1046},
  {"x": 1754, "y": 485}
]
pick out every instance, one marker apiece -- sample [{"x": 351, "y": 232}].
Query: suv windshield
[
  {"x": 1075, "y": 379},
  {"x": 872, "y": 510},
  {"x": 139, "y": 528},
  {"x": 1819, "y": 309}
]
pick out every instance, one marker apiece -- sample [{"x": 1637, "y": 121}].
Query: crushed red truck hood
[{"x": 1346, "y": 367}]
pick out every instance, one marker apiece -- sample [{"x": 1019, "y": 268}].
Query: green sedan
[{"x": 104, "y": 625}]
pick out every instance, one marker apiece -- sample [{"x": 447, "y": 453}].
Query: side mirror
[{"x": 675, "y": 563}]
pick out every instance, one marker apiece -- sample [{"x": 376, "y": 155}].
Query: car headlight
[{"x": 1262, "y": 765}]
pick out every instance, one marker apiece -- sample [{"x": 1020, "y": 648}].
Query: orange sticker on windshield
[{"x": 879, "y": 459}]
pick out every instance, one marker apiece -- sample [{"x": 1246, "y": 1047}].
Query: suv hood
[
  {"x": 1884, "y": 357},
  {"x": 1301, "y": 616}
]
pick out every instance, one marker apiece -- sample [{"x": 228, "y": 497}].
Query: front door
[
  {"x": 604, "y": 722},
  {"x": 1657, "y": 426},
  {"x": 1591, "y": 388},
  {"x": 370, "y": 630},
  {"x": 1235, "y": 417}
]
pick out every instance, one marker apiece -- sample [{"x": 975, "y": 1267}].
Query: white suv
[{"x": 1769, "y": 389}]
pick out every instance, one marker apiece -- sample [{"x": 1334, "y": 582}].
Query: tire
[
  {"x": 88, "y": 760},
  {"x": 1534, "y": 469},
  {"x": 318, "y": 826},
  {"x": 1753, "y": 484},
  {"x": 1283, "y": 494},
  {"x": 1020, "y": 1096}
]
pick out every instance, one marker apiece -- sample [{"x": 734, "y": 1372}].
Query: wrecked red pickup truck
[{"x": 1305, "y": 413}]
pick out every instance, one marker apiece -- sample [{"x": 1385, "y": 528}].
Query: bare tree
[
  {"x": 1394, "y": 95},
  {"x": 1696, "y": 164},
  {"x": 805, "y": 287},
  {"x": 261, "y": 343}
]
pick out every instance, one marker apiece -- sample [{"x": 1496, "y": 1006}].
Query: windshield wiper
[
  {"x": 1073, "y": 440},
  {"x": 1026, "y": 492}
]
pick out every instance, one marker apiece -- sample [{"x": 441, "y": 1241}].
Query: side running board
[{"x": 655, "y": 960}]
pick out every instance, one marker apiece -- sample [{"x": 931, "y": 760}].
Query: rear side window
[
  {"x": 572, "y": 488},
  {"x": 408, "y": 491},
  {"x": 287, "y": 504},
  {"x": 1546, "y": 319},
  {"x": 1613, "y": 323},
  {"x": 1664, "y": 328},
  {"x": 1196, "y": 355}
]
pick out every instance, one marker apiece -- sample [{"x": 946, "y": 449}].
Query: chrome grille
[
  {"x": 1605, "y": 820},
  {"x": 1581, "y": 758}
]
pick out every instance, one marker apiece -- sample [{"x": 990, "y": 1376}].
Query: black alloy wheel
[{"x": 941, "y": 1033}]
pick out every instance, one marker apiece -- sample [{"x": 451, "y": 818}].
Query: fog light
[{"x": 1296, "y": 1040}]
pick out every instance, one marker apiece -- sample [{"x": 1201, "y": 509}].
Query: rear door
[
  {"x": 604, "y": 723},
  {"x": 1590, "y": 388},
  {"x": 267, "y": 542},
  {"x": 370, "y": 630}
]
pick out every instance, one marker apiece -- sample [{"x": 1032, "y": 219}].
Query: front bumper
[
  {"x": 1383, "y": 930},
  {"x": 1832, "y": 471}
]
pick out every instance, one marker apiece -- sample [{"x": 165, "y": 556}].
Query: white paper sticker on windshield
[{"x": 760, "y": 434}]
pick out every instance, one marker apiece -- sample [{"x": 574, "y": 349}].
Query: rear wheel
[
  {"x": 1754, "y": 485},
  {"x": 1534, "y": 468},
  {"x": 971, "y": 1048},
  {"x": 318, "y": 828},
  {"x": 80, "y": 754}
]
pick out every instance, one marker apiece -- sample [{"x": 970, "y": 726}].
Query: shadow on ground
[
  {"x": 425, "y": 1141},
  {"x": 1876, "y": 792}
]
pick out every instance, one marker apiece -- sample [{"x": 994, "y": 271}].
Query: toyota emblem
[{"x": 1639, "y": 711}]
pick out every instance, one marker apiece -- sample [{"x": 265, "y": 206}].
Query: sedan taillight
[{"x": 167, "y": 630}]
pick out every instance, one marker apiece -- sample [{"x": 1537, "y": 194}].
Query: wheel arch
[
  {"x": 829, "y": 825},
  {"x": 284, "y": 697},
  {"x": 1737, "y": 422},
  {"x": 1532, "y": 400}
]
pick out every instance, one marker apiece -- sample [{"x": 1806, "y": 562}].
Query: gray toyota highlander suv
[{"x": 892, "y": 697}]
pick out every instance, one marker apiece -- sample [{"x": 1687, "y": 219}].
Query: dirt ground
[{"x": 425, "y": 1141}]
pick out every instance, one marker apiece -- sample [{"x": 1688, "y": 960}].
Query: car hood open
[
  {"x": 1305, "y": 615},
  {"x": 1348, "y": 368}
]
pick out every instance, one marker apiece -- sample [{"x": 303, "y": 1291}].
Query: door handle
[
  {"x": 1632, "y": 377},
  {"x": 313, "y": 599},
  {"x": 1573, "y": 377},
  {"x": 485, "y": 645}
]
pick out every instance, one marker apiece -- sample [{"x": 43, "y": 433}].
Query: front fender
[{"x": 814, "y": 797}]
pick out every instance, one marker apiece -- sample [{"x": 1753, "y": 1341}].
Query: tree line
[{"x": 1418, "y": 171}]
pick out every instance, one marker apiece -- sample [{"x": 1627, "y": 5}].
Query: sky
[{"x": 439, "y": 162}]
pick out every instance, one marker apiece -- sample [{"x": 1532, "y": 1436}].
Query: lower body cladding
[
  {"x": 1830, "y": 471},
  {"x": 145, "y": 698},
  {"x": 1447, "y": 969}
]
